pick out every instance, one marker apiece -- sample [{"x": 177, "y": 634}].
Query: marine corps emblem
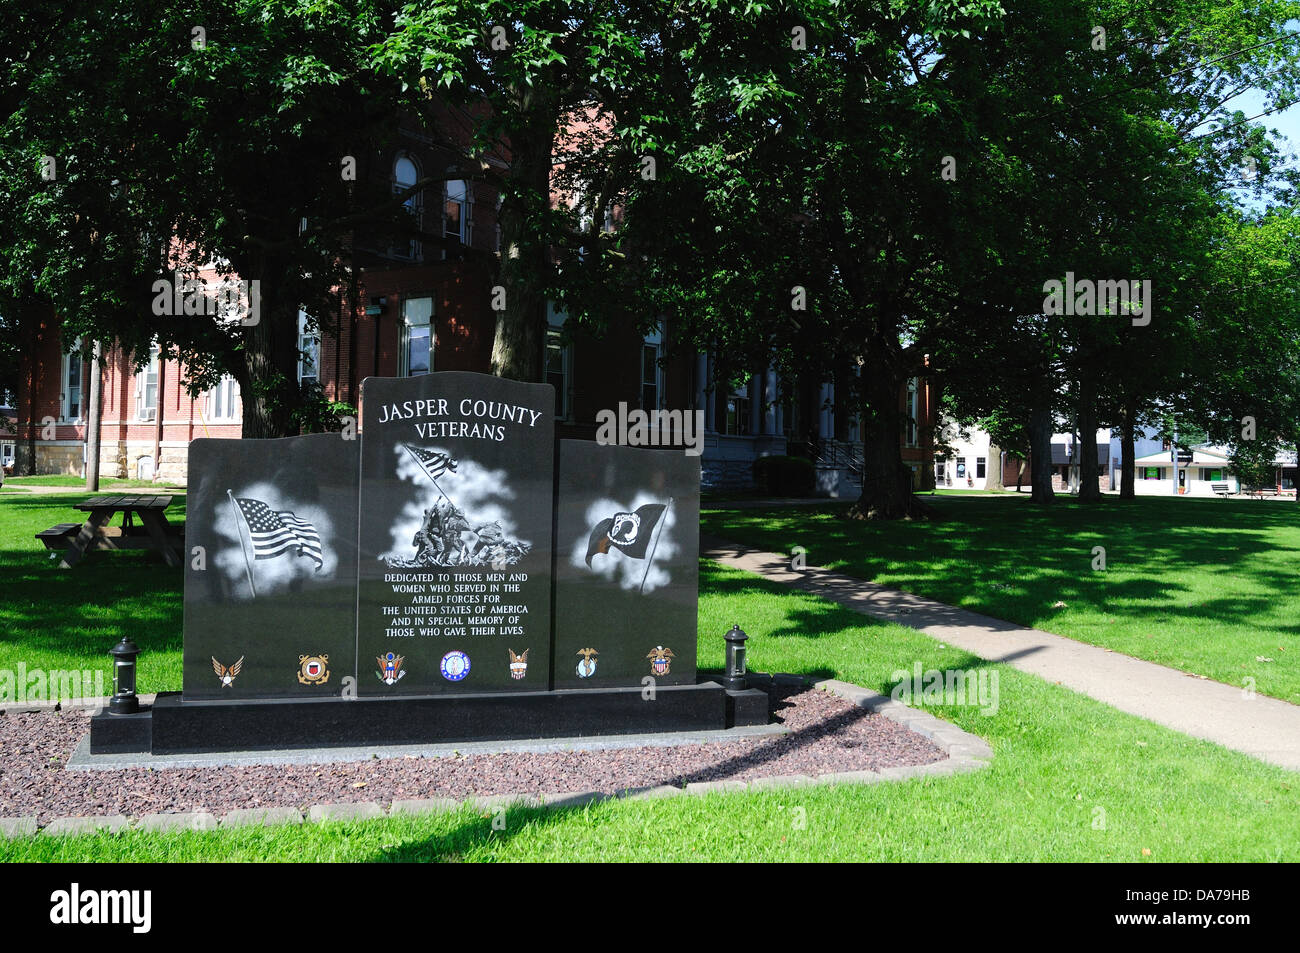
[
  {"x": 660, "y": 659},
  {"x": 518, "y": 664},
  {"x": 587, "y": 667},
  {"x": 390, "y": 668},
  {"x": 313, "y": 670}
]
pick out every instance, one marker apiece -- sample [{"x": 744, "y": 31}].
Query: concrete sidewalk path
[{"x": 1265, "y": 728}]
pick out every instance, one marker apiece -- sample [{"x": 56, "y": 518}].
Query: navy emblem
[
  {"x": 660, "y": 659},
  {"x": 587, "y": 667},
  {"x": 227, "y": 673},
  {"x": 454, "y": 665},
  {"x": 518, "y": 664},
  {"x": 390, "y": 668}
]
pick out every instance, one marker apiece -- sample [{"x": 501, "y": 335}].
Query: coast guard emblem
[
  {"x": 390, "y": 668},
  {"x": 660, "y": 659},
  {"x": 518, "y": 664},
  {"x": 313, "y": 670},
  {"x": 587, "y": 667}
]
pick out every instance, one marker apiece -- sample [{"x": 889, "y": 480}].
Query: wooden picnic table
[{"x": 154, "y": 532}]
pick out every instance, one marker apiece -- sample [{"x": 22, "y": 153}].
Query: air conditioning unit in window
[{"x": 148, "y": 414}]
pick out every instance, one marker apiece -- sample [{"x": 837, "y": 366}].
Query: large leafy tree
[
  {"x": 189, "y": 133},
  {"x": 564, "y": 91}
]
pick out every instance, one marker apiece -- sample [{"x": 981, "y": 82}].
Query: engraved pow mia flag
[{"x": 628, "y": 532}]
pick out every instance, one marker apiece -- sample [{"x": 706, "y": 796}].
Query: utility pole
[
  {"x": 92, "y": 422},
  {"x": 1173, "y": 452}
]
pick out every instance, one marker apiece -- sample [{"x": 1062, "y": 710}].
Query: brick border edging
[{"x": 966, "y": 752}]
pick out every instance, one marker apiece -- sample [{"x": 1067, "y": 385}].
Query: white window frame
[
  {"x": 654, "y": 339},
  {"x": 414, "y": 204},
  {"x": 404, "y": 369},
  {"x": 912, "y": 432},
  {"x": 143, "y": 412},
  {"x": 222, "y": 401},
  {"x": 8, "y": 449},
  {"x": 466, "y": 210},
  {"x": 308, "y": 350},
  {"x": 65, "y": 391},
  {"x": 555, "y": 321}
]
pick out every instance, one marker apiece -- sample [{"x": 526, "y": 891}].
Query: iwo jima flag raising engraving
[
  {"x": 630, "y": 533},
  {"x": 433, "y": 464},
  {"x": 274, "y": 533}
]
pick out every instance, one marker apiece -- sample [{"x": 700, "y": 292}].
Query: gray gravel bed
[{"x": 827, "y": 734}]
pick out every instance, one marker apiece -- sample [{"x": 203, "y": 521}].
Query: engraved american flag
[
  {"x": 275, "y": 533},
  {"x": 433, "y": 463}
]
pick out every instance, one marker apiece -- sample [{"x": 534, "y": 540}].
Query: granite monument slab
[
  {"x": 271, "y": 568},
  {"x": 457, "y": 473},
  {"x": 627, "y": 565}
]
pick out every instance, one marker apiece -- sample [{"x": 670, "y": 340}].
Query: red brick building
[{"x": 420, "y": 308}]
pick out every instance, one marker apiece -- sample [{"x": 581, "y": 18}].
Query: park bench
[
  {"x": 1221, "y": 489},
  {"x": 1263, "y": 491}
]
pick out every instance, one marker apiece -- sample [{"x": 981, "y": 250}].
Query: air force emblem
[{"x": 227, "y": 673}]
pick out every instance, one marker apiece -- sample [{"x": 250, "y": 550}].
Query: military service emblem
[
  {"x": 455, "y": 666},
  {"x": 390, "y": 668},
  {"x": 313, "y": 669},
  {"x": 660, "y": 659},
  {"x": 227, "y": 673},
  {"x": 518, "y": 664},
  {"x": 587, "y": 667}
]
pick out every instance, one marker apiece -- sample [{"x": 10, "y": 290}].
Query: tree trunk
[
  {"x": 1040, "y": 455},
  {"x": 1127, "y": 457},
  {"x": 993, "y": 475},
  {"x": 518, "y": 344},
  {"x": 93, "y": 414},
  {"x": 269, "y": 386},
  {"x": 1020, "y": 474},
  {"x": 886, "y": 480},
  {"x": 1089, "y": 473}
]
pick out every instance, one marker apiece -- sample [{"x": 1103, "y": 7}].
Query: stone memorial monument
[{"x": 450, "y": 575}]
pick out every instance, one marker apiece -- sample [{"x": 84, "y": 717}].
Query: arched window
[
  {"x": 456, "y": 210},
  {"x": 405, "y": 175}
]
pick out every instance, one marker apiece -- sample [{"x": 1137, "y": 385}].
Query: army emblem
[
  {"x": 518, "y": 664},
  {"x": 660, "y": 659},
  {"x": 454, "y": 665},
  {"x": 587, "y": 667},
  {"x": 313, "y": 670},
  {"x": 390, "y": 668},
  {"x": 227, "y": 673}
]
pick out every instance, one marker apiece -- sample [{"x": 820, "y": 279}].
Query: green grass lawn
[
  {"x": 1205, "y": 586},
  {"x": 1063, "y": 762},
  {"x": 1072, "y": 779},
  {"x": 61, "y": 479},
  {"x": 53, "y": 618}
]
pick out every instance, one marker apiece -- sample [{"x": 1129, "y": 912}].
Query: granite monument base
[{"x": 173, "y": 726}]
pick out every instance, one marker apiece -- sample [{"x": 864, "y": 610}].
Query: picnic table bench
[
  {"x": 153, "y": 531},
  {"x": 1221, "y": 489},
  {"x": 1263, "y": 491}
]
